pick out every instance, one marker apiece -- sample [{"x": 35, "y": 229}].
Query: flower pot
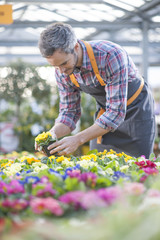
[{"x": 46, "y": 151}]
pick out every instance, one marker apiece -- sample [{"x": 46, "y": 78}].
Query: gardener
[{"x": 124, "y": 120}]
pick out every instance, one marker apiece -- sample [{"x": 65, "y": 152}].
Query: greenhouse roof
[{"x": 132, "y": 24}]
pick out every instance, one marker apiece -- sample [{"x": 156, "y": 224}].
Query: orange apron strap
[
  {"x": 73, "y": 79},
  {"x": 101, "y": 111},
  {"x": 94, "y": 66},
  {"x": 93, "y": 62},
  {"x": 136, "y": 94}
]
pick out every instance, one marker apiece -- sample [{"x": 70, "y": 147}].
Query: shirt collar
[{"x": 86, "y": 63}]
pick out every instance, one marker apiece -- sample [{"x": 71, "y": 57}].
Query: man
[{"x": 124, "y": 120}]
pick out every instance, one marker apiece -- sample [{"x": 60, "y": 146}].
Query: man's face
[{"x": 65, "y": 62}]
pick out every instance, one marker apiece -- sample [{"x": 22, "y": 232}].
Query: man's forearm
[
  {"x": 90, "y": 133},
  {"x": 60, "y": 130},
  {"x": 70, "y": 144}
]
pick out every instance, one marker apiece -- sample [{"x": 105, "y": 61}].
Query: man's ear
[{"x": 76, "y": 46}]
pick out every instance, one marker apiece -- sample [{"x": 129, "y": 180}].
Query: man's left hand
[{"x": 65, "y": 146}]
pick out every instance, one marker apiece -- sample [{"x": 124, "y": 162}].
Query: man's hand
[
  {"x": 36, "y": 146},
  {"x": 65, "y": 146}
]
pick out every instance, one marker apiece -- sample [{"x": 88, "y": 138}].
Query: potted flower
[{"x": 43, "y": 140}]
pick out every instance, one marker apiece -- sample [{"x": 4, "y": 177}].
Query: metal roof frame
[{"x": 140, "y": 18}]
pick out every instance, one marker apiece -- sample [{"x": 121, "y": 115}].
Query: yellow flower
[
  {"x": 8, "y": 164},
  {"x": 119, "y": 154},
  {"x": 29, "y": 159},
  {"x": 62, "y": 158},
  {"x": 89, "y": 157},
  {"x": 51, "y": 158},
  {"x": 102, "y": 153},
  {"x": 42, "y": 137}
]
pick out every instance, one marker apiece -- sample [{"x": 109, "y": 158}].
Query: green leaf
[
  {"x": 103, "y": 182},
  {"x": 94, "y": 151},
  {"x": 152, "y": 156},
  {"x": 114, "y": 165},
  {"x": 71, "y": 184}
]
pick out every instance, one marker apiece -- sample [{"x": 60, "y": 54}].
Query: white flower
[
  {"x": 13, "y": 169},
  {"x": 66, "y": 163},
  {"x": 157, "y": 164},
  {"x": 87, "y": 164},
  {"x": 109, "y": 171},
  {"x": 38, "y": 166},
  {"x": 124, "y": 168}
]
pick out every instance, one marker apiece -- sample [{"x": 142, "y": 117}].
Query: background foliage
[{"x": 22, "y": 88}]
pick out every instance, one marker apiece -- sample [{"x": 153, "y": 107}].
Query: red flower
[{"x": 140, "y": 164}]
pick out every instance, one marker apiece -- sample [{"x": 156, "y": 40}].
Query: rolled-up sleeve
[
  {"x": 116, "y": 91},
  {"x": 69, "y": 106}
]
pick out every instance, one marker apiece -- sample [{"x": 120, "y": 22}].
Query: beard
[{"x": 71, "y": 70}]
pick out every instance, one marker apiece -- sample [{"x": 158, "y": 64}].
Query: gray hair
[{"x": 57, "y": 36}]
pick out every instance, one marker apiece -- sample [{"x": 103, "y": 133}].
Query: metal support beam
[
  {"x": 84, "y": 24},
  {"x": 145, "y": 56},
  {"x": 53, "y": 1},
  {"x": 103, "y": 25}
]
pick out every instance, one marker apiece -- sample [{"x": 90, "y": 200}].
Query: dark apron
[{"x": 135, "y": 136}]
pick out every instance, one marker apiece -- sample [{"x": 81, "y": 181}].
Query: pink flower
[
  {"x": 15, "y": 205},
  {"x": 3, "y": 187},
  {"x": 92, "y": 200},
  {"x": 150, "y": 170},
  {"x": 72, "y": 198},
  {"x": 15, "y": 187},
  {"x": 109, "y": 195},
  {"x": 42, "y": 205},
  {"x": 44, "y": 179},
  {"x": 134, "y": 188},
  {"x": 89, "y": 178},
  {"x": 38, "y": 205},
  {"x": 11, "y": 188},
  {"x": 74, "y": 173},
  {"x": 45, "y": 191},
  {"x": 143, "y": 178},
  {"x": 153, "y": 193},
  {"x": 53, "y": 206}
]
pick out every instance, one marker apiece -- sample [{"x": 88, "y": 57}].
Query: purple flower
[
  {"x": 3, "y": 187},
  {"x": 89, "y": 178},
  {"x": 109, "y": 195},
  {"x": 72, "y": 198},
  {"x": 11, "y": 188},
  {"x": 45, "y": 191},
  {"x": 74, "y": 174},
  {"x": 15, "y": 187},
  {"x": 150, "y": 170}
]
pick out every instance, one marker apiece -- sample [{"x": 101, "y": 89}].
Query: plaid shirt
[{"x": 116, "y": 69}]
